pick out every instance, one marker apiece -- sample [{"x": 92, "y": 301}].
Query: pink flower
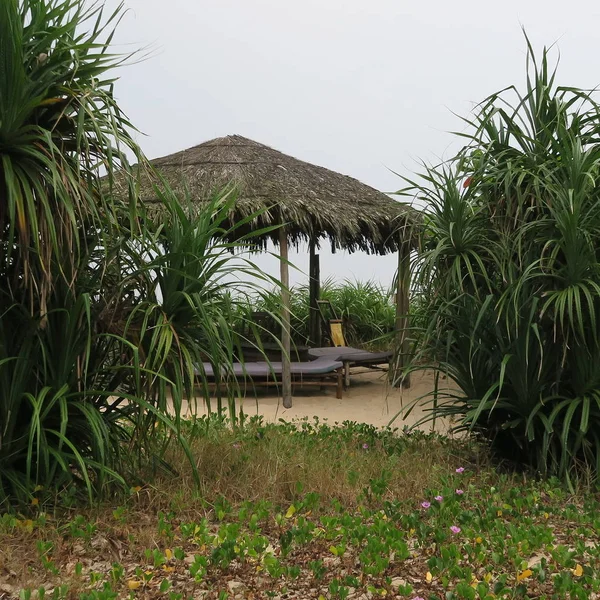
[
  {"x": 460, "y": 470},
  {"x": 426, "y": 504},
  {"x": 237, "y": 445},
  {"x": 365, "y": 446},
  {"x": 455, "y": 529},
  {"x": 460, "y": 492},
  {"x": 439, "y": 498}
]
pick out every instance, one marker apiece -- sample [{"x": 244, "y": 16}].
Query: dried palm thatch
[{"x": 312, "y": 202}]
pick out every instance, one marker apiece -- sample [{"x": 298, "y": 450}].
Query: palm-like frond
[
  {"x": 60, "y": 127},
  {"x": 105, "y": 314},
  {"x": 509, "y": 274}
]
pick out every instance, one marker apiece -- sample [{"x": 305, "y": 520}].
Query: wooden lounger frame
[{"x": 331, "y": 379}]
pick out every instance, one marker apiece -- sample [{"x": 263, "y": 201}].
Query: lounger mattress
[
  {"x": 351, "y": 355},
  {"x": 320, "y": 366}
]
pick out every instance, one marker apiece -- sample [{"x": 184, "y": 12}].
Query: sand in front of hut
[{"x": 369, "y": 399}]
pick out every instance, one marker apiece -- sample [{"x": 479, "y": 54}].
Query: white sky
[{"x": 363, "y": 87}]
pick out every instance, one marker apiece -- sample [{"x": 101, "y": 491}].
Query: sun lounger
[
  {"x": 324, "y": 371},
  {"x": 345, "y": 354},
  {"x": 351, "y": 356}
]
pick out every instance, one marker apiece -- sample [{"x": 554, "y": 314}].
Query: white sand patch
[{"x": 369, "y": 399}]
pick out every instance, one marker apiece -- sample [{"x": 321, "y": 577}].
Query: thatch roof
[{"x": 312, "y": 201}]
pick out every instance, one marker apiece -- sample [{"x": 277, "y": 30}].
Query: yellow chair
[{"x": 336, "y": 332}]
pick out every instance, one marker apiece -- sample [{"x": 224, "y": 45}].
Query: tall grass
[
  {"x": 366, "y": 309},
  {"x": 510, "y": 274}
]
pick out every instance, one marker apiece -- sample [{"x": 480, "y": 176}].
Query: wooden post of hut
[
  {"x": 314, "y": 291},
  {"x": 286, "y": 376},
  {"x": 401, "y": 357}
]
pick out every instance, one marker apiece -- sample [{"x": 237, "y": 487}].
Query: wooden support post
[
  {"x": 286, "y": 377},
  {"x": 314, "y": 292},
  {"x": 402, "y": 325}
]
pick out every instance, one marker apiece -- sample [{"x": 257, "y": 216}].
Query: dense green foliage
[
  {"x": 103, "y": 312},
  {"x": 366, "y": 309},
  {"x": 510, "y": 275}
]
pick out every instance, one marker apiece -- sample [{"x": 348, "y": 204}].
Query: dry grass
[{"x": 279, "y": 467}]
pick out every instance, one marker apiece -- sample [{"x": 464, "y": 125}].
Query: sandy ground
[{"x": 369, "y": 399}]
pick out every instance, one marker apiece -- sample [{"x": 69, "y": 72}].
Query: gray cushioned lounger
[
  {"x": 350, "y": 356},
  {"x": 320, "y": 366},
  {"x": 323, "y": 371}
]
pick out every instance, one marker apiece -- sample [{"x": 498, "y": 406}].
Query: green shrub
[
  {"x": 366, "y": 309},
  {"x": 510, "y": 275}
]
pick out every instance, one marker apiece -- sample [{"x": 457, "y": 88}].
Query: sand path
[{"x": 368, "y": 400}]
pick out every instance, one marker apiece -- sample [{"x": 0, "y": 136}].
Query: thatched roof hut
[{"x": 312, "y": 201}]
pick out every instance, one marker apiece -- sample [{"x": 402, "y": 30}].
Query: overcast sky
[{"x": 363, "y": 87}]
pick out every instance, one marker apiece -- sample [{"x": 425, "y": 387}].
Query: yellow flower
[
  {"x": 524, "y": 574},
  {"x": 546, "y": 515},
  {"x": 478, "y": 540},
  {"x": 499, "y": 513},
  {"x": 577, "y": 571},
  {"x": 168, "y": 554},
  {"x": 136, "y": 489},
  {"x": 35, "y": 502},
  {"x": 428, "y": 577},
  {"x": 134, "y": 584}
]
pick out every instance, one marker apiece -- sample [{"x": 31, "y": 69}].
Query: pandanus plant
[
  {"x": 105, "y": 311},
  {"x": 509, "y": 274}
]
